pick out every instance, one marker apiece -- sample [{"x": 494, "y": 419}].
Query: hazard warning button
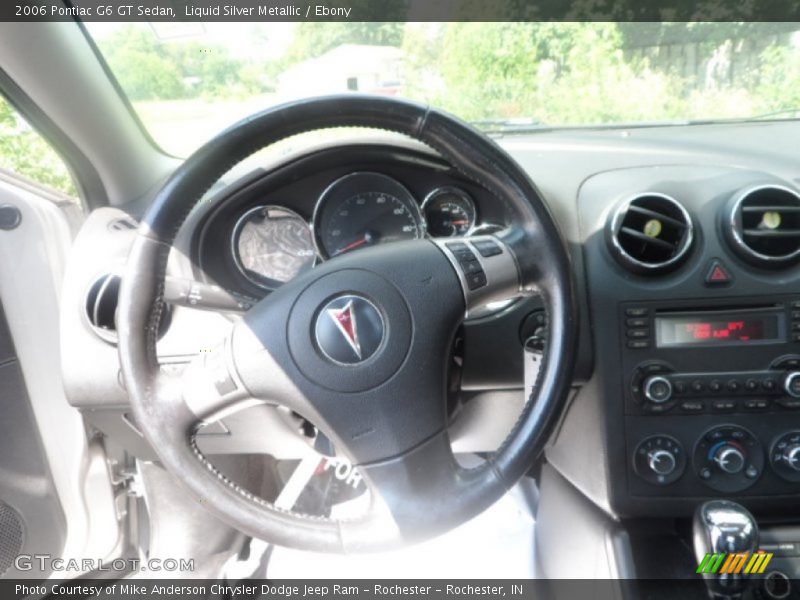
[{"x": 717, "y": 274}]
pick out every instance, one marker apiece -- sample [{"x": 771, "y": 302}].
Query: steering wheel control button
[
  {"x": 659, "y": 459},
  {"x": 728, "y": 459},
  {"x": 349, "y": 329},
  {"x": 469, "y": 263},
  {"x": 785, "y": 456},
  {"x": 658, "y": 389},
  {"x": 487, "y": 248},
  {"x": 476, "y": 280}
]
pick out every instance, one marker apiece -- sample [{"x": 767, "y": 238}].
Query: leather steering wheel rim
[{"x": 423, "y": 491}]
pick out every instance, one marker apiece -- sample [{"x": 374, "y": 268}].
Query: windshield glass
[{"x": 188, "y": 81}]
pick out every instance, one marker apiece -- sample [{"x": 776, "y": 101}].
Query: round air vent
[
  {"x": 764, "y": 225},
  {"x": 101, "y": 308},
  {"x": 650, "y": 233}
]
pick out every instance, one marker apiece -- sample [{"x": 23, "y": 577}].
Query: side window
[{"x": 24, "y": 153}]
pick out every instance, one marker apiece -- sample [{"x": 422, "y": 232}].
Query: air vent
[
  {"x": 650, "y": 233},
  {"x": 101, "y": 306},
  {"x": 764, "y": 225}
]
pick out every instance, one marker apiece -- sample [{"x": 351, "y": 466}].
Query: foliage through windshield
[{"x": 188, "y": 81}]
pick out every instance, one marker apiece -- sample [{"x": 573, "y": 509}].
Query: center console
[
  {"x": 712, "y": 395},
  {"x": 693, "y": 286}
]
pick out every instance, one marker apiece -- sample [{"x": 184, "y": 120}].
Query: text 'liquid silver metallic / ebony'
[{"x": 349, "y": 330}]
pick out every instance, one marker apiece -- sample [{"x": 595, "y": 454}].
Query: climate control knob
[
  {"x": 730, "y": 459},
  {"x": 661, "y": 462},
  {"x": 791, "y": 384},
  {"x": 792, "y": 457},
  {"x": 659, "y": 459},
  {"x": 658, "y": 389},
  {"x": 785, "y": 456}
]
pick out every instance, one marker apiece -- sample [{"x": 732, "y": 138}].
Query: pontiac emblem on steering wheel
[{"x": 349, "y": 329}]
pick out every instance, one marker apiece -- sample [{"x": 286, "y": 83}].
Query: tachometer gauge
[
  {"x": 272, "y": 245},
  {"x": 449, "y": 211},
  {"x": 365, "y": 209}
]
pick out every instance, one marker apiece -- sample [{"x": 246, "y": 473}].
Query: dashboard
[{"x": 684, "y": 242}]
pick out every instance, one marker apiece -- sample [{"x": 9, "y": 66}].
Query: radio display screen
[{"x": 718, "y": 329}]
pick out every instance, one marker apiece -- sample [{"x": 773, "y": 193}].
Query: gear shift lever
[{"x": 722, "y": 526}]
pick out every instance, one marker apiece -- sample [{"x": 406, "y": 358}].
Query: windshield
[{"x": 188, "y": 81}]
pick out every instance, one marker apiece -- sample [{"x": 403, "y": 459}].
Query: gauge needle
[
  {"x": 462, "y": 222},
  {"x": 352, "y": 246}
]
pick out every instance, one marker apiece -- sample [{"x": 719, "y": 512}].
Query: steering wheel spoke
[{"x": 211, "y": 387}]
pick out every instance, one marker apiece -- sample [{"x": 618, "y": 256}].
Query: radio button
[
  {"x": 733, "y": 385},
  {"x": 796, "y": 337},
  {"x": 715, "y": 385},
  {"x": 636, "y": 312},
  {"x": 693, "y": 406},
  {"x": 751, "y": 385},
  {"x": 680, "y": 387},
  {"x": 657, "y": 389},
  {"x": 791, "y": 384},
  {"x": 640, "y": 322},
  {"x": 723, "y": 405},
  {"x": 697, "y": 386},
  {"x": 638, "y": 344},
  {"x": 756, "y": 404},
  {"x": 792, "y": 361},
  {"x": 638, "y": 334},
  {"x": 769, "y": 384},
  {"x": 790, "y": 403}
]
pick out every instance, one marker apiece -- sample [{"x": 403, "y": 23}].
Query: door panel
[{"x": 43, "y": 443}]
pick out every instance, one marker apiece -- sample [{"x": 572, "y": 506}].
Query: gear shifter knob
[{"x": 722, "y": 526}]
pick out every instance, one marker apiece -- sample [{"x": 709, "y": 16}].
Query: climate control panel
[{"x": 728, "y": 459}]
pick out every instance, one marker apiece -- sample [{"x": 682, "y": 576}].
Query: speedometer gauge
[
  {"x": 450, "y": 212},
  {"x": 365, "y": 209},
  {"x": 272, "y": 245}
]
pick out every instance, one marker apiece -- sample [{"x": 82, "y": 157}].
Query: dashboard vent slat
[
  {"x": 764, "y": 225},
  {"x": 650, "y": 233}
]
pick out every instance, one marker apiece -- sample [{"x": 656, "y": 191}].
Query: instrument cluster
[{"x": 272, "y": 244}]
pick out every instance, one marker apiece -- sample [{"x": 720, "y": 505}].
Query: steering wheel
[{"x": 359, "y": 345}]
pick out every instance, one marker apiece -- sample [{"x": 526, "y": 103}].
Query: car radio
[{"x": 680, "y": 358}]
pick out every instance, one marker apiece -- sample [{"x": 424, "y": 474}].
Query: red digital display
[
  {"x": 717, "y": 330},
  {"x": 725, "y": 330}
]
